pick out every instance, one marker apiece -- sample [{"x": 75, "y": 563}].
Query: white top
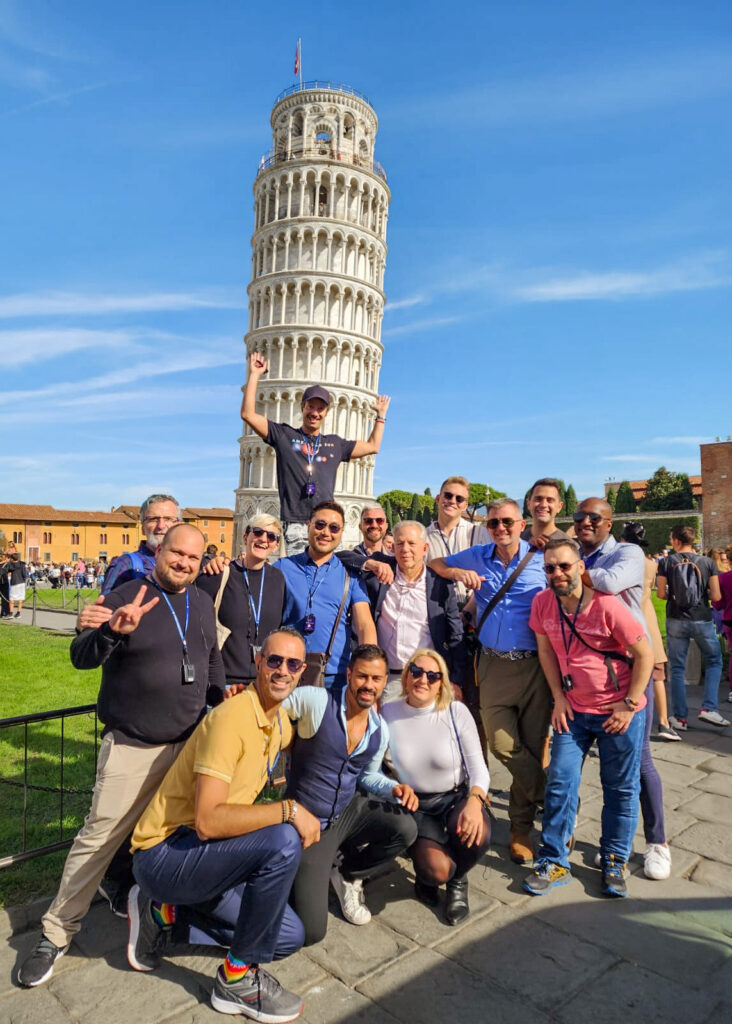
[
  {"x": 464, "y": 535},
  {"x": 403, "y": 626},
  {"x": 424, "y": 749}
]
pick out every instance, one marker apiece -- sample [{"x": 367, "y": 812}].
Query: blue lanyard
[
  {"x": 256, "y": 613},
  {"x": 313, "y": 586},
  {"x": 311, "y": 449},
  {"x": 181, "y": 632}
]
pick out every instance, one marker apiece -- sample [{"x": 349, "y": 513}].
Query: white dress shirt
[{"x": 403, "y": 626}]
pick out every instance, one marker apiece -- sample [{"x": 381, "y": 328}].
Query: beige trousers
[
  {"x": 127, "y": 778},
  {"x": 515, "y": 708}
]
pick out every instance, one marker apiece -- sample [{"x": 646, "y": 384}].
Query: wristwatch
[{"x": 632, "y": 704}]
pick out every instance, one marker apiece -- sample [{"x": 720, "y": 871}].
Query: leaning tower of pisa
[{"x": 316, "y": 298}]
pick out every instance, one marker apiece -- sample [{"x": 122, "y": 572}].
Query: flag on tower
[{"x": 298, "y": 55}]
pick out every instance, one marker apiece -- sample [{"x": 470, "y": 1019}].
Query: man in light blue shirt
[
  {"x": 515, "y": 700},
  {"x": 316, "y": 580}
]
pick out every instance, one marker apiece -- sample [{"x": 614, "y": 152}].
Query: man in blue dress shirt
[
  {"x": 515, "y": 701},
  {"x": 315, "y": 581}
]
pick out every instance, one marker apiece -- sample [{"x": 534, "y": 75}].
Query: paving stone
[
  {"x": 678, "y": 776},
  {"x": 714, "y": 782},
  {"x": 709, "y": 872},
  {"x": 31, "y": 1006},
  {"x": 675, "y": 822},
  {"x": 628, "y": 994},
  {"x": 426, "y": 987},
  {"x": 679, "y": 753},
  {"x": 497, "y": 876},
  {"x": 101, "y": 932},
  {"x": 721, "y": 763},
  {"x": 331, "y": 1002},
  {"x": 496, "y": 946},
  {"x": 710, "y": 807},
  {"x": 707, "y": 906},
  {"x": 352, "y": 953},
  {"x": 710, "y": 840},
  {"x": 13, "y": 953}
]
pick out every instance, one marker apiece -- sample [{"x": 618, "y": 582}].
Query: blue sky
[{"x": 559, "y": 269}]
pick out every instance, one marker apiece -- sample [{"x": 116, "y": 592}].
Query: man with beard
[
  {"x": 373, "y": 527},
  {"x": 340, "y": 739},
  {"x": 160, "y": 668},
  {"x": 157, "y": 515},
  {"x": 597, "y": 662}
]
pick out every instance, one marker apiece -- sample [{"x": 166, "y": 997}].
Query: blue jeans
[
  {"x": 239, "y": 886},
  {"x": 678, "y": 634},
  {"x": 620, "y": 776}
]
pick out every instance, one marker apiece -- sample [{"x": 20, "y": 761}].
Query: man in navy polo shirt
[
  {"x": 307, "y": 461},
  {"x": 315, "y": 582},
  {"x": 515, "y": 701}
]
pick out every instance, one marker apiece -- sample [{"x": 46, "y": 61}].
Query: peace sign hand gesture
[{"x": 127, "y": 618}]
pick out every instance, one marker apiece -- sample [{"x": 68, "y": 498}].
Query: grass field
[
  {"x": 57, "y": 599},
  {"x": 37, "y": 675}
]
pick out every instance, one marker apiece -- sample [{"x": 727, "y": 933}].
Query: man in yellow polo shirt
[{"x": 207, "y": 857}]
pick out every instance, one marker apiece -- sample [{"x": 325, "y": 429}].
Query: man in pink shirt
[{"x": 597, "y": 662}]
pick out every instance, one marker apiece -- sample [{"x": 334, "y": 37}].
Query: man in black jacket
[
  {"x": 160, "y": 667},
  {"x": 419, "y": 609}
]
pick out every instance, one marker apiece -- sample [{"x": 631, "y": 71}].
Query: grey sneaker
[
  {"x": 546, "y": 877},
  {"x": 115, "y": 893},
  {"x": 147, "y": 938},
  {"x": 258, "y": 996},
  {"x": 613, "y": 877},
  {"x": 38, "y": 965},
  {"x": 668, "y": 733}
]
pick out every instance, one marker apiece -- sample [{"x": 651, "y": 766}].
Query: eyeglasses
[
  {"x": 164, "y": 520},
  {"x": 372, "y": 521},
  {"x": 594, "y": 517},
  {"x": 274, "y": 661},
  {"x": 492, "y": 524},
  {"x": 564, "y": 566},
  {"x": 321, "y": 524},
  {"x": 257, "y": 531},
  {"x": 416, "y": 673},
  {"x": 459, "y": 499}
]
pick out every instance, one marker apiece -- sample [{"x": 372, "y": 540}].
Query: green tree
[
  {"x": 415, "y": 508},
  {"x": 400, "y": 502},
  {"x": 426, "y": 515},
  {"x": 625, "y": 502},
  {"x": 667, "y": 491},
  {"x": 610, "y": 498},
  {"x": 428, "y": 492},
  {"x": 570, "y": 501},
  {"x": 386, "y": 505}
]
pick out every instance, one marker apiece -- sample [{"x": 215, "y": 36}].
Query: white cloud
[
  {"x": 21, "y": 75},
  {"x": 19, "y": 348},
  {"x": 414, "y": 300},
  {"x": 57, "y": 303},
  {"x": 688, "y": 439},
  {"x": 421, "y": 325}
]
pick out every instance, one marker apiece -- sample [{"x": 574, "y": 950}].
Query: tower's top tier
[{"x": 323, "y": 121}]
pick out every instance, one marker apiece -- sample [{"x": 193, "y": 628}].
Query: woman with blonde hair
[{"x": 436, "y": 750}]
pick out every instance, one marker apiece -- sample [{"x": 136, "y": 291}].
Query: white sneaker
[
  {"x": 657, "y": 861},
  {"x": 729, "y": 697},
  {"x": 713, "y": 717},
  {"x": 679, "y": 724},
  {"x": 351, "y": 898}
]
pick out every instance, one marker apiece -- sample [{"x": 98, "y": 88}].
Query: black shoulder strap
[
  {"x": 615, "y": 655},
  {"x": 500, "y": 594},
  {"x": 346, "y": 585}
]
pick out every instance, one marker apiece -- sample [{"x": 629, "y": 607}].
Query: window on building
[
  {"x": 222, "y": 523},
  {"x": 46, "y": 556},
  {"x": 102, "y": 538},
  {"x": 205, "y": 522},
  {"x": 75, "y": 538},
  {"x": 74, "y": 556},
  {"x": 18, "y": 536},
  {"x": 125, "y": 538},
  {"x": 222, "y": 538},
  {"x": 47, "y": 537}
]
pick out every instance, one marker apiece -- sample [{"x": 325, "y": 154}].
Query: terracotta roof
[
  {"x": 208, "y": 513},
  {"x": 47, "y": 513},
  {"x": 638, "y": 487}
]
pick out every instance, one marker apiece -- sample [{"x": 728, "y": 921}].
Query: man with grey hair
[
  {"x": 418, "y": 609},
  {"x": 515, "y": 701},
  {"x": 157, "y": 515}
]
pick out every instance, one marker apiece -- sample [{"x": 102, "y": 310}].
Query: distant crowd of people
[{"x": 385, "y": 677}]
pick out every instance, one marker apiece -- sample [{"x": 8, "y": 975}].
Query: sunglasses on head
[
  {"x": 416, "y": 673},
  {"x": 274, "y": 661},
  {"x": 459, "y": 499},
  {"x": 320, "y": 524},
  {"x": 594, "y": 517},
  {"x": 273, "y": 538},
  {"x": 372, "y": 521},
  {"x": 492, "y": 524},
  {"x": 564, "y": 566}
]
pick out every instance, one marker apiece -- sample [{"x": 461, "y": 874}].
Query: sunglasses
[
  {"x": 274, "y": 661},
  {"x": 416, "y": 673},
  {"x": 320, "y": 524},
  {"x": 594, "y": 517},
  {"x": 459, "y": 499},
  {"x": 370, "y": 521},
  {"x": 564, "y": 566},
  {"x": 273, "y": 538},
  {"x": 492, "y": 524}
]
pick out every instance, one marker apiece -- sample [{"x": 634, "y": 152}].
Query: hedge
[{"x": 657, "y": 527}]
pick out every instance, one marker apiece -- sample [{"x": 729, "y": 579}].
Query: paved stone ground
[{"x": 664, "y": 954}]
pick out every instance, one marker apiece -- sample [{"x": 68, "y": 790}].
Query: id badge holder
[{"x": 189, "y": 671}]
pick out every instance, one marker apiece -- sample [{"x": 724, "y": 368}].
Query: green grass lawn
[
  {"x": 58, "y": 599},
  {"x": 36, "y": 674},
  {"x": 660, "y": 607}
]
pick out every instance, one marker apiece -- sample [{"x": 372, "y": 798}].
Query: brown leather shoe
[{"x": 520, "y": 847}]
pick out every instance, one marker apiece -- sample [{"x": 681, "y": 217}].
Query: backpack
[{"x": 686, "y": 584}]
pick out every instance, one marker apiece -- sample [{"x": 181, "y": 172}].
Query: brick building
[{"x": 716, "y": 467}]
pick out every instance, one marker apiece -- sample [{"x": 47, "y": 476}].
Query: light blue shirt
[
  {"x": 619, "y": 569},
  {"x": 507, "y": 626},
  {"x": 306, "y": 707}
]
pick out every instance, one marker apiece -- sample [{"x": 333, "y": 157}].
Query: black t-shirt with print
[{"x": 292, "y": 468}]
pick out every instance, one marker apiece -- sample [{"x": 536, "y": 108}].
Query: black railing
[{"x": 44, "y": 772}]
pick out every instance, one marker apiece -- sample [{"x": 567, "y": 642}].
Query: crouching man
[{"x": 208, "y": 860}]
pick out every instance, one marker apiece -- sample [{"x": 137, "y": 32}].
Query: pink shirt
[{"x": 606, "y": 624}]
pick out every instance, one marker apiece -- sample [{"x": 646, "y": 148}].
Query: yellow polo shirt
[{"x": 234, "y": 742}]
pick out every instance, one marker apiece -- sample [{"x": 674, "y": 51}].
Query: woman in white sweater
[{"x": 436, "y": 750}]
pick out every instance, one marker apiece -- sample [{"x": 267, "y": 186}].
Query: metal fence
[{"x": 18, "y": 779}]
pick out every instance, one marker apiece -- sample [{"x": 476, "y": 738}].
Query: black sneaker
[
  {"x": 258, "y": 995},
  {"x": 38, "y": 965},
  {"x": 546, "y": 876},
  {"x": 613, "y": 877},
  {"x": 116, "y": 894},
  {"x": 147, "y": 938}
]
